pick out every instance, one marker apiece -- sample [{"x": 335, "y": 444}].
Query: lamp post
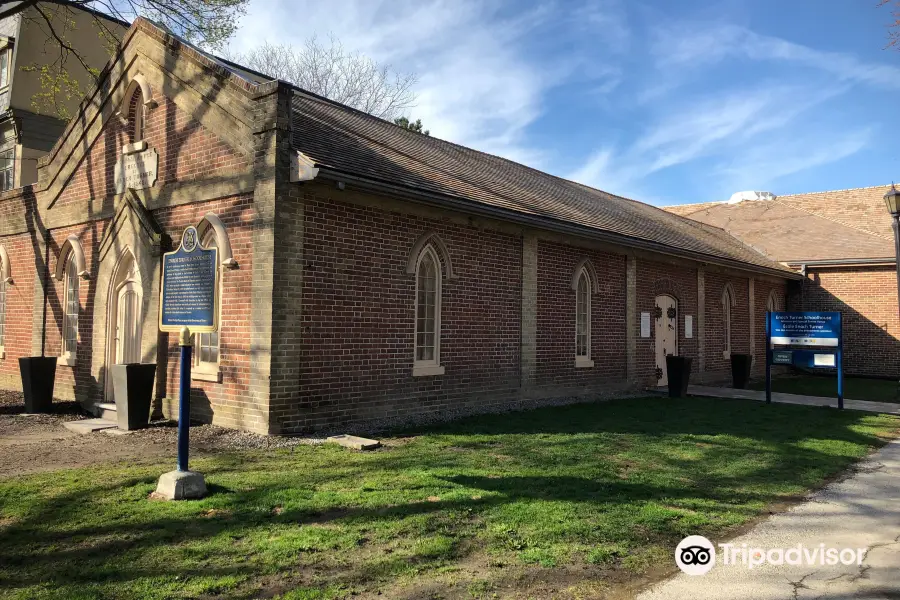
[{"x": 892, "y": 200}]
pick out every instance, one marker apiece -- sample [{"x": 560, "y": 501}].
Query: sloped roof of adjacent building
[
  {"x": 837, "y": 225},
  {"x": 342, "y": 140}
]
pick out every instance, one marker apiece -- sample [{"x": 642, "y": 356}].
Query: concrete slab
[
  {"x": 859, "y": 512},
  {"x": 181, "y": 485},
  {"x": 86, "y": 426},
  {"x": 863, "y": 405},
  {"x": 354, "y": 442}
]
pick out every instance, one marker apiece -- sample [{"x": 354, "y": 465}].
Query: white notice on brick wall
[
  {"x": 645, "y": 325},
  {"x": 688, "y": 326}
]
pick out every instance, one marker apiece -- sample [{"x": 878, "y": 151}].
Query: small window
[
  {"x": 774, "y": 302},
  {"x": 7, "y": 163},
  {"x": 71, "y": 307},
  {"x": 583, "y": 320},
  {"x": 428, "y": 314},
  {"x": 727, "y": 305},
  {"x": 5, "y": 65},
  {"x": 137, "y": 116},
  {"x": 206, "y": 352}
]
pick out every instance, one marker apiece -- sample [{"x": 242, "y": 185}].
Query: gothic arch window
[
  {"x": 429, "y": 262},
  {"x": 136, "y": 116},
  {"x": 584, "y": 283},
  {"x": 71, "y": 310},
  {"x": 428, "y": 314},
  {"x": 774, "y": 303},
  {"x": 70, "y": 269},
  {"x": 207, "y": 351},
  {"x": 728, "y": 303}
]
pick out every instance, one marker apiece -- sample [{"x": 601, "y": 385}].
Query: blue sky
[{"x": 661, "y": 101}]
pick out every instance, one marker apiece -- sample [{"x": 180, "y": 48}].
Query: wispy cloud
[{"x": 480, "y": 81}]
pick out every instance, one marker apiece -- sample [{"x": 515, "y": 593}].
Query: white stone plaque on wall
[
  {"x": 688, "y": 326},
  {"x": 136, "y": 171},
  {"x": 645, "y": 325}
]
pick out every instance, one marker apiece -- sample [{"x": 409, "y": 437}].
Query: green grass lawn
[
  {"x": 602, "y": 490},
  {"x": 856, "y": 388}
]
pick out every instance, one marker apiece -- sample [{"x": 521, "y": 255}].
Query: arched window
[
  {"x": 71, "y": 306},
  {"x": 774, "y": 303},
  {"x": 428, "y": 314},
  {"x": 136, "y": 116},
  {"x": 727, "y": 306},
  {"x": 583, "y": 319},
  {"x": 207, "y": 351}
]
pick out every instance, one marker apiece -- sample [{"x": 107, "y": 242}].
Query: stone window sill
[
  {"x": 67, "y": 360},
  {"x": 2, "y": 352},
  {"x": 134, "y": 147},
  {"x": 726, "y": 354},
  {"x": 427, "y": 370},
  {"x": 582, "y": 362},
  {"x": 214, "y": 376}
]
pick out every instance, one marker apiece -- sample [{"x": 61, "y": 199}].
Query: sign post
[
  {"x": 190, "y": 280},
  {"x": 805, "y": 339}
]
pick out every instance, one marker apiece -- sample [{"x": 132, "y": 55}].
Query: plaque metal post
[
  {"x": 184, "y": 399},
  {"x": 183, "y": 484}
]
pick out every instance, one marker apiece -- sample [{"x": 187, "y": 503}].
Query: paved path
[
  {"x": 862, "y": 511},
  {"x": 865, "y": 405}
]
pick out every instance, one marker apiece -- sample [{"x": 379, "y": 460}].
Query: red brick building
[
  {"x": 843, "y": 245},
  {"x": 368, "y": 273}
]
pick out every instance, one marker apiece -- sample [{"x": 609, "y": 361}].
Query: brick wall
[
  {"x": 187, "y": 151},
  {"x": 21, "y": 249},
  {"x": 867, "y": 297},
  {"x": 763, "y": 288},
  {"x": 556, "y": 317},
  {"x": 224, "y": 403},
  {"x": 655, "y": 279},
  {"x": 74, "y": 382},
  {"x": 358, "y": 308},
  {"x": 715, "y": 320}
]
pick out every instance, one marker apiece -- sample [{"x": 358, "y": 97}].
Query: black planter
[
  {"x": 133, "y": 385},
  {"x": 38, "y": 377},
  {"x": 679, "y": 370},
  {"x": 740, "y": 370}
]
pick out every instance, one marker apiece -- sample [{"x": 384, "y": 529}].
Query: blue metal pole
[
  {"x": 184, "y": 393},
  {"x": 768, "y": 357},
  {"x": 840, "y": 363}
]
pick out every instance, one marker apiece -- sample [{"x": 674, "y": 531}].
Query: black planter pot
[
  {"x": 38, "y": 377},
  {"x": 679, "y": 370},
  {"x": 133, "y": 385},
  {"x": 740, "y": 370}
]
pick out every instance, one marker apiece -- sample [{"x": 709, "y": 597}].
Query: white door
[
  {"x": 128, "y": 334},
  {"x": 666, "y": 333}
]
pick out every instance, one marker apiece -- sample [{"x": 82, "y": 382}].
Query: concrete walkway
[
  {"x": 859, "y": 512},
  {"x": 864, "y": 405}
]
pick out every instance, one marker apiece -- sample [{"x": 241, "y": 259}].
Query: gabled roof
[
  {"x": 341, "y": 140},
  {"x": 840, "y": 225}
]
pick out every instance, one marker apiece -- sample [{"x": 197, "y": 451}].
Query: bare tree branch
[
  {"x": 329, "y": 70},
  {"x": 894, "y": 33}
]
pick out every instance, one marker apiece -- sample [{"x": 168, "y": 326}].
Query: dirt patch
[{"x": 36, "y": 443}]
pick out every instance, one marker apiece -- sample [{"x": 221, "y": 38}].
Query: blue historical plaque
[
  {"x": 190, "y": 280},
  {"x": 819, "y": 329}
]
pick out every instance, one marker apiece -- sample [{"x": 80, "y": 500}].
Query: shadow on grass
[{"x": 720, "y": 457}]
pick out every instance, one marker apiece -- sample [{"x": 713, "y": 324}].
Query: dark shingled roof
[{"x": 344, "y": 140}]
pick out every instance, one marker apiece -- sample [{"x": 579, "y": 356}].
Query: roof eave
[
  {"x": 842, "y": 262},
  {"x": 539, "y": 222}
]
